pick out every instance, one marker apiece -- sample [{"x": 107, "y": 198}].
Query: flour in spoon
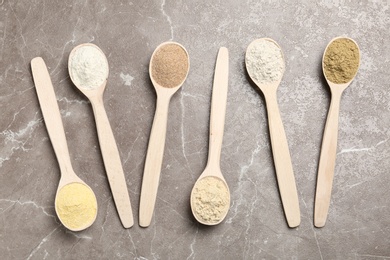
[
  {"x": 88, "y": 67},
  {"x": 264, "y": 61},
  {"x": 210, "y": 200}
]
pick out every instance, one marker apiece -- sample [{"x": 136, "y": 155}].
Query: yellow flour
[
  {"x": 210, "y": 200},
  {"x": 76, "y": 206}
]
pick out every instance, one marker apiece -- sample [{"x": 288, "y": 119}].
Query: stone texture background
[{"x": 358, "y": 225}]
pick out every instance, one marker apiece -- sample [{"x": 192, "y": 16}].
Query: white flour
[
  {"x": 264, "y": 61},
  {"x": 88, "y": 67}
]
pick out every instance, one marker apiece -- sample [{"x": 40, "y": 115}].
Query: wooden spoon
[
  {"x": 55, "y": 128},
  {"x": 328, "y": 149},
  {"x": 217, "y": 122},
  {"x": 281, "y": 154},
  {"x": 156, "y": 145},
  {"x": 109, "y": 149}
]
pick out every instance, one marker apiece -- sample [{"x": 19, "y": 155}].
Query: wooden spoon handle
[
  {"x": 51, "y": 114},
  {"x": 153, "y": 161},
  {"x": 327, "y": 162},
  {"x": 282, "y": 161},
  {"x": 112, "y": 163},
  {"x": 218, "y": 107}
]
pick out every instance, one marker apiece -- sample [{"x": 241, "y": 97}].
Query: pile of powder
[
  {"x": 210, "y": 200},
  {"x": 169, "y": 65},
  {"x": 76, "y": 206},
  {"x": 264, "y": 61},
  {"x": 341, "y": 61},
  {"x": 88, "y": 67}
]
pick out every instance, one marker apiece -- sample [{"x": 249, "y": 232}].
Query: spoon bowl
[
  {"x": 158, "y": 84},
  {"x": 265, "y": 65},
  {"x": 265, "y": 86},
  {"x": 215, "y": 187},
  {"x": 95, "y": 88},
  {"x": 71, "y": 189},
  {"x": 88, "y": 70},
  {"x": 168, "y": 70}
]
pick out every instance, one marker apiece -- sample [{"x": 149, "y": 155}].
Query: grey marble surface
[{"x": 358, "y": 225}]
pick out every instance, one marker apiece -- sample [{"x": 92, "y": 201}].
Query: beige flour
[
  {"x": 210, "y": 200},
  {"x": 88, "y": 67}
]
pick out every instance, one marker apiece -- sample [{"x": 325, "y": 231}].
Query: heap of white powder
[
  {"x": 88, "y": 67},
  {"x": 264, "y": 61}
]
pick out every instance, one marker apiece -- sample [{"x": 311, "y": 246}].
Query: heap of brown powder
[
  {"x": 169, "y": 65},
  {"x": 341, "y": 61}
]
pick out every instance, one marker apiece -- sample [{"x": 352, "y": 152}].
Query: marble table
[{"x": 358, "y": 225}]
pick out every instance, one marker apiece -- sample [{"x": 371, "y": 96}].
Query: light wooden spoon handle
[
  {"x": 282, "y": 161},
  {"x": 51, "y": 114},
  {"x": 218, "y": 107},
  {"x": 154, "y": 157},
  {"x": 112, "y": 163},
  {"x": 327, "y": 162}
]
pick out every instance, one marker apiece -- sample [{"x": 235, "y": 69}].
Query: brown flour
[{"x": 169, "y": 65}]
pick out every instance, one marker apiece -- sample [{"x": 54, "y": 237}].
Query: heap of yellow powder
[
  {"x": 341, "y": 60},
  {"x": 76, "y": 206},
  {"x": 210, "y": 200}
]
